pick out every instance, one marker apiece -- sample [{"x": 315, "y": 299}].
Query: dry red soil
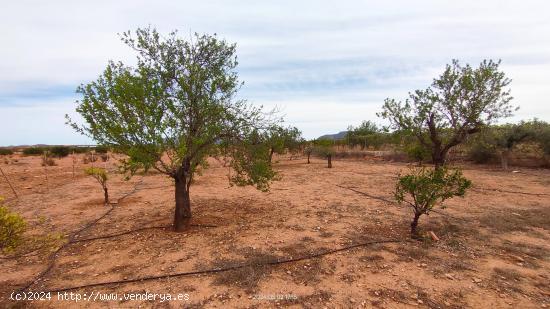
[{"x": 280, "y": 248}]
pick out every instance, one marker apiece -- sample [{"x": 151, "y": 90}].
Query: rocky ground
[{"x": 319, "y": 238}]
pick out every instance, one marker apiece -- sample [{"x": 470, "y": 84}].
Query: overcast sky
[{"x": 324, "y": 64}]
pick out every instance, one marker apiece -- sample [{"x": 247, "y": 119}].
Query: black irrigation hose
[
  {"x": 53, "y": 256},
  {"x": 368, "y": 195},
  {"x": 218, "y": 270},
  {"x": 512, "y": 192}
]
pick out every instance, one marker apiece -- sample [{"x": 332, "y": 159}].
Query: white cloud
[{"x": 330, "y": 63}]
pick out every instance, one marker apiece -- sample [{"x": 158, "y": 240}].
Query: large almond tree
[
  {"x": 459, "y": 103},
  {"x": 173, "y": 109}
]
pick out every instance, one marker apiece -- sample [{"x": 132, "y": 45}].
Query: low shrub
[
  {"x": 5, "y": 151},
  {"x": 481, "y": 153},
  {"x": 101, "y": 149},
  {"x": 47, "y": 159},
  {"x": 80, "y": 149},
  {"x": 12, "y": 226},
  {"x": 60, "y": 151},
  {"x": 417, "y": 152},
  {"x": 33, "y": 151}
]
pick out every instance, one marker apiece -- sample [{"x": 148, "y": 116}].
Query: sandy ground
[{"x": 493, "y": 250}]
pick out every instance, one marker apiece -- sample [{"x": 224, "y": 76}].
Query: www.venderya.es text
[{"x": 94, "y": 296}]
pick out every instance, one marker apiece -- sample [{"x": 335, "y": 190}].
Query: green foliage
[
  {"x": 12, "y": 226},
  {"x": 280, "y": 139},
  {"x": 33, "y": 151},
  {"x": 417, "y": 152},
  {"x": 80, "y": 149},
  {"x": 541, "y": 134},
  {"x": 481, "y": 152},
  {"x": 459, "y": 103},
  {"x": 323, "y": 147},
  {"x": 60, "y": 151},
  {"x": 100, "y": 175},
  {"x": 174, "y": 108},
  {"x": 365, "y": 135},
  {"x": 249, "y": 160},
  {"x": 423, "y": 188},
  {"x": 5, "y": 151},
  {"x": 101, "y": 149}
]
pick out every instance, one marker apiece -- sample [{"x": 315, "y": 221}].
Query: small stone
[
  {"x": 433, "y": 236},
  {"x": 518, "y": 258},
  {"x": 476, "y": 280},
  {"x": 449, "y": 276},
  {"x": 420, "y": 301}
]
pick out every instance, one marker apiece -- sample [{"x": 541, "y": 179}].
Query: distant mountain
[{"x": 339, "y": 135}]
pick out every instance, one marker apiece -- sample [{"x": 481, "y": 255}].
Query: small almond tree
[
  {"x": 424, "y": 187},
  {"x": 459, "y": 103},
  {"x": 323, "y": 148},
  {"x": 308, "y": 149},
  {"x": 101, "y": 176}
]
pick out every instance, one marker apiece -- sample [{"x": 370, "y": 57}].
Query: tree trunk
[
  {"x": 308, "y": 155},
  {"x": 182, "y": 215},
  {"x": 329, "y": 159},
  {"x": 504, "y": 157},
  {"x": 106, "y": 194},
  {"x": 414, "y": 224},
  {"x": 438, "y": 158},
  {"x": 271, "y": 151}
]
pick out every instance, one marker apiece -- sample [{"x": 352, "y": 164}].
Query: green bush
[
  {"x": 101, "y": 149},
  {"x": 417, "y": 152},
  {"x": 80, "y": 149},
  {"x": 33, "y": 151},
  {"x": 60, "y": 151},
  {"x": 12, "y": 227},
  {"x": 5, "y": 151},
  {"x": 481, "y": 152},
  {"x": 424, "y": 188}
]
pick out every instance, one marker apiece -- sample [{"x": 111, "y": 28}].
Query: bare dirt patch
[{"x": 493, "y": 249}]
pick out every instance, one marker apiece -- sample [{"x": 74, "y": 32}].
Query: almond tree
[
  {"x": 424, "y": 188},
  {"x": 459, "y": 103},
  {"x": 100, "y": 175},
  {"x": 173, "y": 109}
]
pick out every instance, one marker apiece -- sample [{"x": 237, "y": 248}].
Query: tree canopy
[
  {"x": 459, "y": 103},
  {"x": 173, "y": 109}
]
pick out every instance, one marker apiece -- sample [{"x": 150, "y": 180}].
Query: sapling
[
  {"x": 424, "y": 188},
  {"x": 100, "y": 175},
  {"x": 323, "y": 148},
  {"x": 307, "y": 151}
]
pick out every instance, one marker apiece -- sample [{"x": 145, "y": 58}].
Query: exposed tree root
[{"x": 218, "y": 270}]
